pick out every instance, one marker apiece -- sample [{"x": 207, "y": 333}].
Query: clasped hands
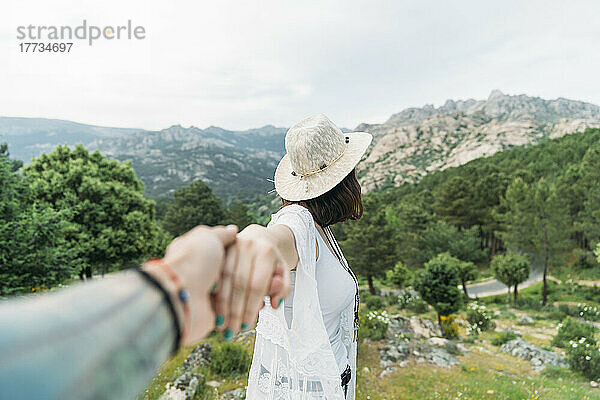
[{"x": 227, "y": 275}]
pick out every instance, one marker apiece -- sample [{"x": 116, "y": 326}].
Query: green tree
[
  {"x": 32, "y": 248},
  {"x": 5, "y": 155},
  {"x": 590, "y": 182},
  {"x": 440, "y": 237},
  {"x": 193, "y": 205},
  {"x": 111, "y": 224},
  {"x": 511, "y": 269},
  {"x": 238, "y": 214},
  {"x": 438, "y": 285},
  {"x": 456, "y": 203},
  {"x": 535, "y": 223},
  {"x": 398, "y": 276},
  {"x": 369, "y": 244},
  {"x": 490, "y": 185},
  {"x": 410, "y": 217},
  {"x": 467, "y": 271}
]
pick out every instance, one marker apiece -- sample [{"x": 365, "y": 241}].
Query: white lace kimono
[{"x": 298, "y": 362}]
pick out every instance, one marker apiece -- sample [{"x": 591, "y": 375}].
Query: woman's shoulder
[
  {"x": 293, "y": 214},
  {"x": 292, "y": 209}
]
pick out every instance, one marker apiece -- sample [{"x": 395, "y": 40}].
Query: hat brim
[{"x": 295, "y": 188}]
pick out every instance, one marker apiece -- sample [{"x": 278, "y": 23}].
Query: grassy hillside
[{"x": 482, "y": 372}]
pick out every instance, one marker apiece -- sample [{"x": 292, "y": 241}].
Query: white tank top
[{"x": 336, "y": 290}]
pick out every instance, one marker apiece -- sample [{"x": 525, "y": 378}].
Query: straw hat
[{"x": 319, "y": 156}]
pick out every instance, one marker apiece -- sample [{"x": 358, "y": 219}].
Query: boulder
[
  {"x": 393, "y": 352},
  {"x": 237, "y": 394},
  {"x": 387, "y": 371},
  {"x": 423, "y": 328},
  {"x": 200, "y": 356},
  {"x": 185, "y": 387},
  {"x": 441, "y": 358},
  {"x": 437, "y": 341},
  {"x": 525, "y": 320},
  {"x": 539, "y": 358}
]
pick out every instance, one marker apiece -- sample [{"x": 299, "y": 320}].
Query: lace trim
[{"x": 297, "y": 363}]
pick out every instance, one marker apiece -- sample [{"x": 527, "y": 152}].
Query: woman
[{"x": 307, "y": 349}]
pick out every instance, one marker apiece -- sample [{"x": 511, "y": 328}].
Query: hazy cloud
[{"x": 246, "y": 64}]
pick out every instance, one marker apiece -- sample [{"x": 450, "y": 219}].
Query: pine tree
[
  {"x": 370, "y": 243},
  {"x": 590, "y": 170},
  {"x": 237, "y": 214},
  {"x": 455, "y": 203},
  {"x": 193, "y": 205},
  {"x": 536, "y": 223}
]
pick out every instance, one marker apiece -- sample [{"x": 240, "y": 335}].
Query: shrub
[
  {"x": 568, "y": 310},
  {"x": 405, "y": 300},
  {"x": 419, "y": 306},
  {"x": 479, "y": 316},
  {"x": 588, "y": 312},
  {"x": 554, "y": 372},
  {"x": 398, "y": 276},
  {"x": 373, "y": 325},
  {"x": 528, "y": 303},
  {"x": 556, "y": 315},
  {"x": 570, "y": 330},
  {"x": 374, "y": 303},
  {"x": 584, "y": 357},
  {"x": 449, "y": 326},
  {"x": 390, "y": 300},
  {"x": 503, "y": 337},
  {"x": 230, "y": 359},
  {"x": 469, "y": 339},
  {"x": 364, "y": 295}
]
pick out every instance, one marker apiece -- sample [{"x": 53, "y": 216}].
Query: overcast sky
[{"x": 248, "y": 63}]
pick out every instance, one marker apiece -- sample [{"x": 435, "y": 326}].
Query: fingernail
[
  {"x": 214, "y": 288},
  {"x": 220, "y": 320},
  {"x": 231, "y": 227},
  {"x": 228, "y": 335},
  {"x": 245, "y": 326},
  {"x": 280, "y": 301}
]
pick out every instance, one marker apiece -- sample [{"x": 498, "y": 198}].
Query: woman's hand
[{"x": 254, "y": 267}]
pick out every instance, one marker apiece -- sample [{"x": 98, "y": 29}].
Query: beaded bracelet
[
  {"x": 150, "y": 279},
  {"x": 182, "y": 294}
]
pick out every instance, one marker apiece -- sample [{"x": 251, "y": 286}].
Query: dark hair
[{"x": 339, "y": 204}]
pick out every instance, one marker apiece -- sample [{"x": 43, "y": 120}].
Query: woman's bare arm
[{"x": 280, "y": 236}]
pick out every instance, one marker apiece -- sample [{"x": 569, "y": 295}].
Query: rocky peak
[
  {"x": 495, "y": 95},
  {"x": 419, "y": 140}
]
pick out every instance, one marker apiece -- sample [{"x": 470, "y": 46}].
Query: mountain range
[
  {"x": 240, "y": 164},
  {"x": 416, "y": 141}
]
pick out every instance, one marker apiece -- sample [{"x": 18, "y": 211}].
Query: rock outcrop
[
  {"x": 189, "y": 383},
  {"x": 539, "y": 358},
  {"x": 237, "y": 394},
  {"x": 418, "y": 339}
]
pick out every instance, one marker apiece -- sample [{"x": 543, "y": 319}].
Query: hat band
[{"x": 324, "y": 166}]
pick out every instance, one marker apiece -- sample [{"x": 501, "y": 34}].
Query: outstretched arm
[{"x": 105, "y": 340}]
